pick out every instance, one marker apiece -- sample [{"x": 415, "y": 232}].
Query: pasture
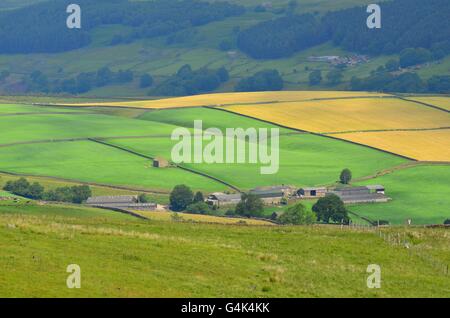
[
  {"x": 305, "y": 159},
  {"x": 92, "y": 162},
  {"x": 419, "y": 193},
  {"x": 124, "y": 257}
]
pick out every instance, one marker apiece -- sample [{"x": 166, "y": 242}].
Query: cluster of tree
[
  {"x": 267, "y": 80},
  {"x": 331, "y": 208},
  {"x": 250, "y": 206},
  {"x": 35, "y": 191},
  {"x": 183, "y": 199},
  {"x": 297, "y": 215},
  {"x": 405, "y": 24},
  {"x": 146, "y": 18},
  {"x": 281, "y": 37},
  {"x": 83, "y": 82},
  {"x": 4, "y": 75},
  {"x": 190, "y": 82},
  {"x": 407, "y": 82},
  {"x": 447, "y": 222}
]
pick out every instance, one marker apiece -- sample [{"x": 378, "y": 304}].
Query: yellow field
[
  {"x": 345, "y": 115},
  {"x": 432, "y": 145},
  {"x": 167, "y": 216},
  {"x": 442, "y": 102},
  {"x": 232, "y": 98}
]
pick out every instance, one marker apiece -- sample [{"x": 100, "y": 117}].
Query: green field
[
  {"x": 92, "y": 162},
  {"x": 56, "y": 126},
  {"x": 419, "y": 193},
  {"x": 124, "y": 257},
  {"x": 305, "y": 159}
]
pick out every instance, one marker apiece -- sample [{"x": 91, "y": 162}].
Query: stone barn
[{"x": 160, "y": 163}]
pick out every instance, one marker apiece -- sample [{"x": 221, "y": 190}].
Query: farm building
[
  {"x": 273, "y": 194},
  {"x": 222, "y": 199},
  {"x": 120, "y": 202},
  {"x": 363, "y": 194},
  {"x": 313, "y": 192},
  {"x": 160, "y": 163}
]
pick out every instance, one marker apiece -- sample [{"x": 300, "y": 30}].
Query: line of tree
[
  {"x": 407, "y": 82},
  {"x": 42, "y": 27},
  {"x": 266, "y": 80},
  {"x": 83, "y": 82},
  {"x": 35, "y": 191},
  {"x": 191, "y": 82}
]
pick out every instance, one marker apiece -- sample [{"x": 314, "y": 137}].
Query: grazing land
[
  {"x": 122, "y": 256},
  {"x": 419, "y": 193}
]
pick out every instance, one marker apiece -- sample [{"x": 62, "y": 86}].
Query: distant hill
[{"x": 132, "y": 39}]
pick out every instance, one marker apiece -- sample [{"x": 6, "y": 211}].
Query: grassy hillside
[
  {"x": 199, "y": 48},
  {"x": 124, "y": 257},
  {"x": 418, "y": 193}
]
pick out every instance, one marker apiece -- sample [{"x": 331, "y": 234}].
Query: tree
[
  {"x": 146, "y": 81},
  {"x": 225, "y": 45},
  {"x": 125, "y": 76},
  {"x": 35, "y": 191},
  {"x": 104, "y": 76},
  {"x": 267, "y": 80},
  {"x": 297, "y": 215},
  {"x": 346, "y": 176},
  {"x": 410, "y": 57},
  {"x": 180, "y": 197},
  {"x": 199, "y": 197},
  {"x": 447, "y": 222},
  {"x": 250, "y": 205},
  {"x": 315, "y": 77},
  {"x": 392, "y": 65},
  {"x": 142, "y": 198},
  {"x": 331, "y": 207},
  {"x": 199, "y": 208},
  {"x": 334, "y": 77},
  {"x": 80, "y": 193}
]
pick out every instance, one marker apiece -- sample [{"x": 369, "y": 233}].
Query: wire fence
[{"x": 401, "y": 239}]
